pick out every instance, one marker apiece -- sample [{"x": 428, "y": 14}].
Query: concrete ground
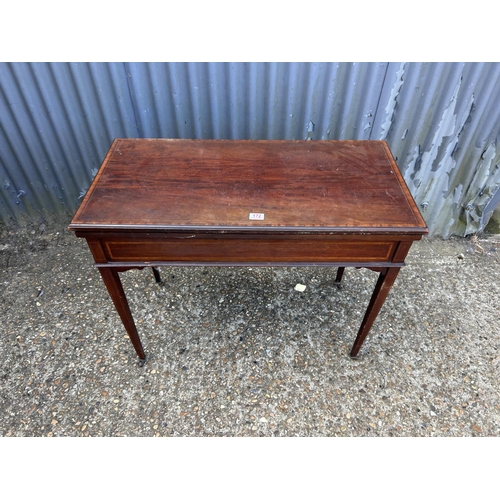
[{"x": 239, "y": 352}]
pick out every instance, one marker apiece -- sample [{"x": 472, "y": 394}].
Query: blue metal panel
[
  {"x": 57, "y": 121},
  {"x": 441, "y": 120},
  {"x": 447, "y": 117}
]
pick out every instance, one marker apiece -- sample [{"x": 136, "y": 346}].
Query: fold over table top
[{"x": 219, "y": 185}]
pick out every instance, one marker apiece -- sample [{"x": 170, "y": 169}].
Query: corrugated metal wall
[{"x": 441, "y": 120}]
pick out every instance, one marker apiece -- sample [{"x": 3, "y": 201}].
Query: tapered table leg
[
  {"x": 115, "y": 289},
  {"x": 382, "y": 288}
]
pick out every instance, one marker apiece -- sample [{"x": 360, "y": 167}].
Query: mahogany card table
[{"x": 183, "y": 202}]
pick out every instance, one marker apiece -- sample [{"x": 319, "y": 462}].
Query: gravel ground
[{"x": 239, "y": 352}]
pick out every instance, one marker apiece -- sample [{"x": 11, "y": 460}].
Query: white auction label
[{"x": 256, "y": 216}]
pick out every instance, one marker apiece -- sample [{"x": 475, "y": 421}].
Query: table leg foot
[
  {"x": 382, "y": 288},
  {"x": 338, "y": 278},
  {"x": 156, "y": 273},
  {"x": 117, "y": 294}
]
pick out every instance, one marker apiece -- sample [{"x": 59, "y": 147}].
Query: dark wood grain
[
  {"x": 169, "y": 183},
  {"x": 157, "y": 202}
]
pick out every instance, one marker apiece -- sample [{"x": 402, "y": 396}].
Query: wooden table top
[{"x": 183, "y": 184}]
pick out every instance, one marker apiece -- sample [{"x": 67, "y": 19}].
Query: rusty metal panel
[{"x": 441, "y": 121}]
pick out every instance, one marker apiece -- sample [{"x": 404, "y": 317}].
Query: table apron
[
  {"x": 141, "y": 264},
  {"x": 248, "y": 251}
]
